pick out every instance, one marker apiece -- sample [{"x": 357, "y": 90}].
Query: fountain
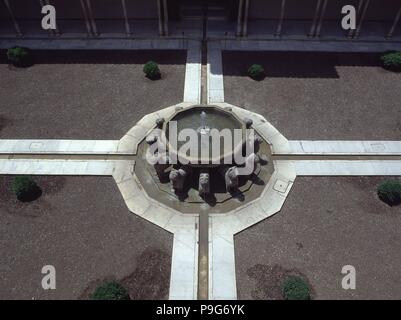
[
  {"x": 211, "y": 174},
  {"x": 217, "y": 121}
]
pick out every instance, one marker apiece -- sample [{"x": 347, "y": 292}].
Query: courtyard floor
[
  {"x": 318, "y": 96},
  {"x": 86, "y": 94},
  {"x": 325, "y": 224},
  {"x": 83, "y": 228}
]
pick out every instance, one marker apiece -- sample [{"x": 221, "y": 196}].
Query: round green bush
[
  {"x": 391, "y": 61},
  {"x": 151, "y": 70},
  {"x": 110, "y": 291},
  {"x": 25, "y": 189},
  {"x": 295, "y": 288},
  {"x": 390, "y": 192},
  {"x": 19, "y": 56},
  {"x": 256, "y": 72}
]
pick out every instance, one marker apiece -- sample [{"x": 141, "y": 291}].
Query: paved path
[
  {"x": 322, "y": 147},
  {"x": 345, "y": 158},
  {"x": 57, "y": 167},
  {"x": 192, "y": 87},
  {"x": 215, "y": 74},
  {"x": 59, "y": 146},
  {"x": 347, "y": 168}
]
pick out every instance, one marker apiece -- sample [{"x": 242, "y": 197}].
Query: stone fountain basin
[{"x": 216, "y": 118}]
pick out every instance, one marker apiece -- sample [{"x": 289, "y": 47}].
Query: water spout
[
  {"x": 203, "y": 120},
  {"x": 203, "y": 129}
]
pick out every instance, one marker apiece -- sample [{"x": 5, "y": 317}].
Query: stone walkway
[
  {"x": 215, "y": 74},
  {"x": 192, "y": 89}
]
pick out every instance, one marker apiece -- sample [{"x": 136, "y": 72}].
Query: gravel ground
[
  {"x": 325, "y": 224},
  {"x": 318, "y": 95},
  {"x": 82, "y": 227},
  {"x": 85, "y": 94}
]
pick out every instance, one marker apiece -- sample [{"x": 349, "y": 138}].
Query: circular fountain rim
[{"x": 211, "y": 161}]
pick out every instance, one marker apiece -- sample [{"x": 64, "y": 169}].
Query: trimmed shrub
[
  {"x": 19, "y": 56},
  {"x": 110, "y": 291},
  {"x": 256, "y": 72},
  {"x": 295, "y": 288},
  {"x": 390, "y": 192},
  {"x": 25, "y": 189},
  {"x": 151, "y": 70},
  {"x": 391, "y": 61}
]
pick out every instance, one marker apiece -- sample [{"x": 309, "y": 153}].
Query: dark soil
[
  {"x": 269, "y": 281},
  {"x": 81, "y": 226},
  {"x": 149, "y": 281},
  {"x": 318, "y": 95},
  {"x": 325, "y": 224},
  {"x": 79, "y": 94}
]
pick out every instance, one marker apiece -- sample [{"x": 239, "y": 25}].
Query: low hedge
[
  {"x": 20, "y": 57},
  {"x": 256, "y": 72},
  {"x": 296, "y": 288},
  {"x": 110, "y": 291},
  {"x": 151, "y": 70},
  {"x": 391, "y": 61},
  {"x": 25, "y": 189},
  {"x": 390, "y": 192}
]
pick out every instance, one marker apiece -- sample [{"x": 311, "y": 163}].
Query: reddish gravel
[
  {"x": 82, "y": 227},
  {"x": 318, "y": 95},
  {"x": 325, "y": 223},
  {"x": 86, "y": 94}
]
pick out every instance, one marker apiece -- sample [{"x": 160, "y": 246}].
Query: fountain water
[{"x": 203, "y": 129}]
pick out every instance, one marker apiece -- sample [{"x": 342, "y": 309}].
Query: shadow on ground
[
  {"x": 101, "y": 56},
  {"x": 296, "y": 64}
]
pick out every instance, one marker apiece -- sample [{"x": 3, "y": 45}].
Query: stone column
[
  {"x": 13, "y": 19},
  {"x": 319, "y": 26},
  {"x": 165, "y": 17},
  {"x": 315, "y": 18},
  {"x": 361, "y": 19},
  {"x": 246, "y": 13},
  {"x": 91, "y": 18},
  {"x": 280, "y": 22},
  {"x": 127, "y": 26},
  {"x": 239, "y": 19},
  {"x": 85, "y": 12},
  {"x": 159, "y": 15},
  {"x": 396, "y": 20}
]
